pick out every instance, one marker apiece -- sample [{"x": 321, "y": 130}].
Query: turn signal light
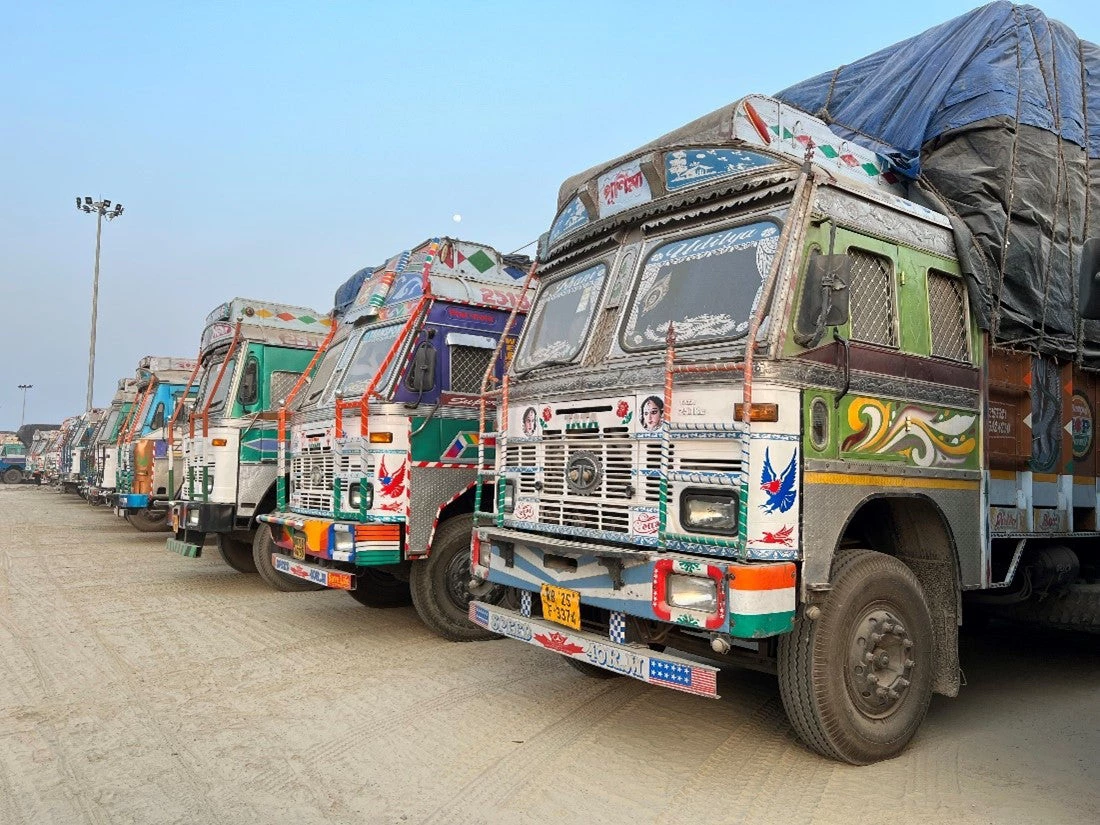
[
  {"x": 218, "y": 442},
  {"x": 381, "y": 438},
  {"x": 757, "y": 412}
]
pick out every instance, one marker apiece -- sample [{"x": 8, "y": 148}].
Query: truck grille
[
  {"x": 606, "y": 508},
  {"x": 311, "y": 477}
]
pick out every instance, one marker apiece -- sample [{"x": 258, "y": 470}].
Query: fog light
[
  {"x": 343, "y": 541},
  {"x": 509, "y": 502},
  {"x": 192, "y": 518},
  {"x": 483, "y": 551},
  {"x": 708, "y": 512},
  {"x": 355, "y": 497},
  {"x": 692, "y": 592}
]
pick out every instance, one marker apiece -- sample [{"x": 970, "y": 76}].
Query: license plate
[
  {"x": 561, "y": 606},
  {"x": 299, "y": 546}
]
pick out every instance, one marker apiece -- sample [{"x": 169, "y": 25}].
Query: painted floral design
[
  {"x": 922, "y": 436},
  {"x": 623, "y": 411}
]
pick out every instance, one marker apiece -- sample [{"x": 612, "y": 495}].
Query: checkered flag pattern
[
  {"x": 617, "y": 627},
  {"x": 525, "y": 603}
]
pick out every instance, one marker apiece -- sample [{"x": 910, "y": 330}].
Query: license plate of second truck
[
  {"x": 561, "y": 606},
  {"x": 299, "y": 547}
]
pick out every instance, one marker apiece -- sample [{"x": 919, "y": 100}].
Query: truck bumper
[
  {"x": 202, "y": 516},
  {"x": 751, "y": 600},
  {"x": 358, "y": 544},
  {"x": 636, "y": 661},
  {"x": 324, "y": 576},
  {"x": 133, "y": 501}
]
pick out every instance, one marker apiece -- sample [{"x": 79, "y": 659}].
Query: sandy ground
[{"x": 140, "y": 686}]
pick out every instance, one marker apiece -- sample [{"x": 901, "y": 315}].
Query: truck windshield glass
[
  {"x": 112, "y": 422},
  {"x": 706, "y": 285},
  {"x": 321, "y": 377},
  {"x": 560, "y": 319},
  {"x": 368, "y": 357},
  {"x": 218, "y": 399}
]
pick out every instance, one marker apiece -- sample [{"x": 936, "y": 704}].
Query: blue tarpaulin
[
  {"x": 995, "y": 119},
  {"x": 998, "y": 60},
  {"x": 347, "y": 291}
]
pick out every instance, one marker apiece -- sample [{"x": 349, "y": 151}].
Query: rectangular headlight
[
  {"x": 355, "y": 498},
  {"x": 708, "y": 512},
  {"x": 193, "y": 518},
  {"x": 344, "y": 541},
  {"x": 509, "y": 502},
  {"x": 692, "y": 592}
]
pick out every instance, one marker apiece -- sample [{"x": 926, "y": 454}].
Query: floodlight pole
[
  {"x": 100, "y": 208},
  {"x": 23, "y": 417}
]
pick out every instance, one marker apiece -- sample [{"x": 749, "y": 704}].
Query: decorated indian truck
[
  {"x": 36, "y": 454},
  {"x": 383, "y": 442},
  {"x": 767, "y": 409},
  {"x": 51, "y": 453},
  {"x": 101, "y": 481},
  {"x": 145, "y": 460},
  {"x": 76, "y": 449},
  {"x": 252, "y": 353}
]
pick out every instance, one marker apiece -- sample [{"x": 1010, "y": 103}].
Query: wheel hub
[{"x": 880, "y": 662}]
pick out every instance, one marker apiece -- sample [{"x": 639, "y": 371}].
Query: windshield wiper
[{"x": 560, "y": 362}]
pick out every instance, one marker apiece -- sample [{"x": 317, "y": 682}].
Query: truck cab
[
  {"x": 384, "y": 450},
  {"x": 101, "y": 484},
  {"x": 752, "y": 417},
  {"x": 252, "y": 353},
  {"x": 145, "y": 458},
  {"x": 13, "y": 463}
]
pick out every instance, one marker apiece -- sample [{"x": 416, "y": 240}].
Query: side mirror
[
  {"x": 543, "y": 248},
  {"x": 825, "y": 298},
  {"x": 421, "y": 377},
  {"x": 1089, "y": 284}
]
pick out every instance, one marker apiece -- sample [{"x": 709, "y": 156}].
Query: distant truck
[
  {"x": 13, "y": 463},
  {"x": 76, "y": 448},
  {"x": 383, "y": 441},
  {"x": 146, "y": 462},
  {"x": 767, "y": 410},
  {"x": 102, "y": 475},
  {"x": 252, "y": 353}
]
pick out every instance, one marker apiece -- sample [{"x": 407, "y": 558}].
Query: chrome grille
[
  {"x": 872, "y": 299},
  {"x": 651, "y": 482},
  {"x": 947, "y": 308},
  {"x": 305, "y": 491},
  {"x": 606, "y": 508},
  {"x": 522, "y": 455}
]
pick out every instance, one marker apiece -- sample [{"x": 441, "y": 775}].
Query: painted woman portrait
[{"x": 653, "y": 412}]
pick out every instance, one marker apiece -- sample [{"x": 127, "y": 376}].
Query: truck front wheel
[
  {"x": 262, "y": 548},
  {"x": 236, "y": 553},
  {"x": 440, "y": 584},
  {"x": 149, "y": 521},
  {"x": 13, "y": 475},
  {"x": 856, "y": 679}
]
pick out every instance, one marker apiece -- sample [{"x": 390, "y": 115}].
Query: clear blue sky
[{"x": 270, "y": 149}]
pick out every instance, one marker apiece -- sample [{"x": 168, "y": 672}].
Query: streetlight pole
[
  {"x": 100, "y": 208},
  {"x": 23, "y": 417}
]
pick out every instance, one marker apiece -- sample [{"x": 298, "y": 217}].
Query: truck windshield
[
  {"x": 560, "y": 319},
  {"x": 321, "y": 377},
  {"x": 112, "y": 422},
  {"x": 369, "y": 354},
  {"x": 218, "y": 399},
  {"x": 705, "y": 285}
]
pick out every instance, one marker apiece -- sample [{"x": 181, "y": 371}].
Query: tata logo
[{"x": 583, "y": 473}]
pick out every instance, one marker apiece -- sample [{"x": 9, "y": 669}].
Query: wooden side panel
[{"x": 1008, "y": 437}]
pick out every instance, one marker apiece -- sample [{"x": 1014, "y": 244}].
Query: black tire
[
  {"x": 236, "y": 553},
  {"x": 146, "y": 521},
  {"x": 439, "y": 584},
  {"x": 377, "y": 588},
  {"x": 13, "y": 475},
  {"x": 590, "y": 670},
  {"x": 262, "y": 548},
  {"x": 840, "y": 704}
]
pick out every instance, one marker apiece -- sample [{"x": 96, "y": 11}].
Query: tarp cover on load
[
  {"x": 345, "y": 294},
  {"x": 996, "y": 117}
]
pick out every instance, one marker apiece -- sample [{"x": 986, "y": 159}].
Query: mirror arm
[{"x": 847, "y": 346}]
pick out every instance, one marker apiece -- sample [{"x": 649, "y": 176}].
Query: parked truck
[
  {"x": 101, "y": 480},
  {"x": 146, "y": 461},
  {"x": 76, "y": 448},
  {"x": 383, "y": 442},
  {"x": 252, "y": 353},
  {"x": 13, "y": 462},
  {"x": 770, "y": 409}
]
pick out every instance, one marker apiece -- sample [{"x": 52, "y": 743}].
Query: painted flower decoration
[
  {"x": 546, "y": 414},
  {"x": 622, "y": 409}
]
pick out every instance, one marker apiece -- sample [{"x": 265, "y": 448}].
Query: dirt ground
[{"x": 140, "y": 686}]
